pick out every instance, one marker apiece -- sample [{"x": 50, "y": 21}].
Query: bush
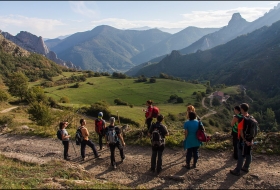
[
  {"x": 40, "y": 113},
  {"x": 6, "y": 120},
  {"x": 211, "y": 122},
  {"x": 98, "y": 107},
  {"x": 4, "y": 96},
  {"x": 120, "y": 102},
  {"x": 153, "y": 80},
  {"x": 64, "y": 99},
  {"x": 180, "y": 100}
]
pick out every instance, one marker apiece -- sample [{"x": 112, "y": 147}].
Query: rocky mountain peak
[{"x": 236, "y": 19}]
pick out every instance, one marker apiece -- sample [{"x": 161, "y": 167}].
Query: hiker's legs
[
  {"x": 154, "y": 157},
  {"x": 195, "y": 154},
  {"x": 159, "y": 161},
  {"x": 120, "y": 147},
  {"x": 189, "y": 155},
  {"x": 112, "y": 150},
  {"x": 83, "y": 149},
  {"x": 149, "y": 123},
  {"x": 240, "y": 158},
  {"x": 91, "y": 145},
  {"x": 100, "y": 140},
  {"x": 235, "y": 144},
  {"x": 66, "y": 148},
  {"x": 248, "y": 156}
]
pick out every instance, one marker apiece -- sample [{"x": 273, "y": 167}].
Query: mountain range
[{"x": 237, "y": 26}]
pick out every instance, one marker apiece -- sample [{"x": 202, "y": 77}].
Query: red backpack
[
  {"x": 99, "y": 126},
  {"x": 155, "y": 112},
  {"x": 201, "y": 135}
]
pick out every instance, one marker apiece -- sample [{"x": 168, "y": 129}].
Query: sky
[{"x": 51, "y": 19}]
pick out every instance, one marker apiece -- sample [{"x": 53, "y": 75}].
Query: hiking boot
[
  {"x": 158, "y": 171},
  {"x": 83, "y": 159},
  {"x": 67, "y": 159},
  {"x": 187, "y": 166},
  {"x": 234, "y": 172},
  {"x": 245, "y": 169},
  {"x": 194, "y": 165},
  {"x": 115, "y": 166},
  {"x": 68, "y": 156},
  {"x": 152, "y": 170},
  {"x": 97, "y": 156},
  {"x": 123, "y": 159}
]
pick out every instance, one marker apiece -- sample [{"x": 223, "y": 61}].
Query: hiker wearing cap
[
  {"x": 65, "y": 139},
  {"x": 114, "y": 139},
  {"x": 100, "y": 125},
  {"x": 86, "y": 140},
  {"x": 157, "y": 132}
]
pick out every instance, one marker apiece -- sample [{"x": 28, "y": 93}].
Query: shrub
[
  {"x": 211, "y": 122},
  {"x": 180, "y": 100},
  {"x": 98, "y": 107},
  {"x": 6, "y": 120},
  {"x": 64, "y": 99},
  {"x": 4, "y": 96},
  {"x": 40, "y": 113},
  {"x": 120, "y": 102},
  {"x": 153, "y": 80}
]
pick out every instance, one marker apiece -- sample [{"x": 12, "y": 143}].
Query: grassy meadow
[{"x": 108, "y": 89}]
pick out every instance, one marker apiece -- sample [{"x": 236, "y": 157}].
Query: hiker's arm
[
  {"x": 121, "y": 137},
  {"x": 233, "y": 121},
  {"x": 65, "y": 136},
  {"x": 186, "y": 133}
]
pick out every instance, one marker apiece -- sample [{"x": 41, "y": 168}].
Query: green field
[
  {"x": 108, "y": 89},
  {"x": 232, "y": 90}
]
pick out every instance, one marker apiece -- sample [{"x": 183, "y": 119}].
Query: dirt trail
[
  {"x": 211, "y": 111},
  {"x": 8, "y": 109},
  {"x": 212, "y": 171}
]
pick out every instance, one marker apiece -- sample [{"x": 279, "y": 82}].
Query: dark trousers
[
  {"x": 100, "y": 136},
  {"x": 234, "y": 143},
  {"x": 244, "y": 152},
  {"x": 112, "y": 150},
  {"x": 149, "y": 123},
  {"x": 157, "y": 154},
  {"x": 66, "y": 148},
  {"x": 83, "y": 148},
  {"x": 192, "y": 152}
]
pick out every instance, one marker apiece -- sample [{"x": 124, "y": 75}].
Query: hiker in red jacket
[{"x": 148, "y": 113}]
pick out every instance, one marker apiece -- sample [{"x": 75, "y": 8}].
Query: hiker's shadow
[
  {"x": 229, "y": 181},
  {"x": 145, "y": 178}
]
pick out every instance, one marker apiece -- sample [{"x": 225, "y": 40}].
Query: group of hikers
[{"x": 157, "y": 131}]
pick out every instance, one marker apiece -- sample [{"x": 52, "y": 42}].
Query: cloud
[
  {"x": 81, "y": 8},
  {"x": 26, "y": 22},
  {"x": 209, "y": 18},
  {"x": 221, "y": 17}
]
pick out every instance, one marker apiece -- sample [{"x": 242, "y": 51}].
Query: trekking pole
[{"x": 118, "y": 117}]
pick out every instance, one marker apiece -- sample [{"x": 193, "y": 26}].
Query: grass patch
[
  {"x": 232, "y": 90},
  {"x": 15, "y": 174}
]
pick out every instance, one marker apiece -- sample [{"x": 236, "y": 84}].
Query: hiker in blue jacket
[{"x": 191, "y": 143}]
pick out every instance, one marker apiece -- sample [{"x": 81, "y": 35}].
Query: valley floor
[{"x": 212, "y": 171}]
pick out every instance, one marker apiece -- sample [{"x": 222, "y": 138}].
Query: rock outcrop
[
  {"x": 32, "y": 43},
  {"x": 11, "y": 48}
]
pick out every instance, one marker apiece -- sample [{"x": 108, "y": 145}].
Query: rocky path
[
  {"x": 8, "y": 109},
  {"x": 212, "y": 171}
]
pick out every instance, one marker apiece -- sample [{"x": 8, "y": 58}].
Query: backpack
[
  {"x": 99, "y": 126},
  {"x": 200, "y": 133},
  {"x": 250, "y": 127},
  {"x": 156, "y": 137},
  {"x": 112, "y": 135},
  {"x": 79, "y": 137},
  {"x": 58, "y": 134},
  {"x": 155, "y": 112}
]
